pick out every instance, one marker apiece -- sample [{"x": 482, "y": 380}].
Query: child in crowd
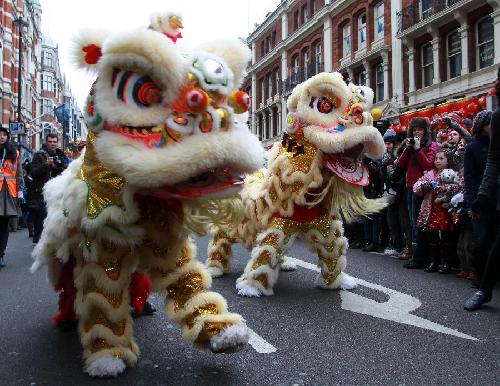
[{"x": 434, "y": 221}]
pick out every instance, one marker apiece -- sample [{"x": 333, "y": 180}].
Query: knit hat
[
  {"x": 390, "y": 136},
  {"x": 482, "y": 118}
]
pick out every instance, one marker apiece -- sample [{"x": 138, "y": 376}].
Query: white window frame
[
  {"x": 346, "y": 40},
  {"x": 450, "y": 55},
  {"x": 483, "y": 44},
  {"x": 48, "y": 57},
  {"x": 47, "y": 83},
  {"x": 305, "y": 60},
  {"x": 379, "y": 82},
  {"x": 269, "y": 85},
  {"x": 427, "y": 12},
  {"x": 427, "y": 65},
  {"x": 378, "y": 13},
  {"x": 295, "y": 69},
  {"x": 318, "y": 56},
  {"x": 47, "y": 106},
  {"x": 262, "y": 90},
  {"x": 277, "y": 80},
  {"x": 304, "y": 16},
  {"x": 361, "y": 32}
]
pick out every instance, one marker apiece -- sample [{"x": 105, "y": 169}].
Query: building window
[
  {"x": 485, "y": 47},
  {"x": 268, "y": 44},
  {"x": 269, "y": 86},
  {"x": 277, "y": 80},
  {"x": 426, "y": 8},
  {"x": 313, "y": 7},
  {"x": 379, "y": 81},
  {"x": 362, "y": 78},
  {"x": 454, "y": 54},
  {"x": 317, "y": 58},
  {"x": 379, "y": 21},
  {"x": 47, "y": 107},
  {"x": 47, "y": 59},
  {"x": 273, "y": 39},
  {"x": 295, "y": 20},
  {"x": 304, "y": 16},
  {"x": 262, "y": 49},
  {"x": 346, "y": 40},
  {"x": 305, "y": 64},
  {"x": 362, "y": 31},
  {"x": 295, "y": 70},
  {"x": 47, "y": 83},
  {"x": 262, "y": 91},
  {"x": 427, "y": 64}
]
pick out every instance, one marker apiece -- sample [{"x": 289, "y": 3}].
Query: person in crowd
[
  {"x": 488, "y": 200},
  {"x": 10, "y": 187},
  {"x": 483, "y": 227},
  {"x": 464, "y": 243},
  {"x": 434, "y": 221},
  {"x": 391, "y": 192},
  {"x": 47, "y": 163},
  {"x": 372, "y": 223},
  {"x": 417, "y": 157}
]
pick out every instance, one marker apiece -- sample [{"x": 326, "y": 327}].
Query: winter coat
[
  {"x": 375, "y": 188},
  {"x": 41, "y": 172},
  {"x": 426, "y": 186},
  {"x": 8, "y": 203},
  {"x": 476, "y": 153},
  {"x": 490, "y": 182},
  {"x": 417, "y": 162}
]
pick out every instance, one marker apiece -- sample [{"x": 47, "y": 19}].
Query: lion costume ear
[
  {"x": 293, "y": 100},
  {"x": 87, "y": 48}
]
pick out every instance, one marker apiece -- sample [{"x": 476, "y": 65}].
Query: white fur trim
[
  {"x": 343, "y": 282},
  {"x": 215, "y": 272},
  {"x": 85, "y": 38},
  {"x": 247, "y": 290},
  {"x": 236, "y": 149},
  {"x": 106, "y": 367},
  {"x": 232, "y": 339}
]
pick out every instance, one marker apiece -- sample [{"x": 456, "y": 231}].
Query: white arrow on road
[{"x": 397, "y": 308}]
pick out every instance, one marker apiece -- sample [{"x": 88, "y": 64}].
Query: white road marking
[
  {"x": 259, "y": 344},
  {"x": 397, "y": 308}
]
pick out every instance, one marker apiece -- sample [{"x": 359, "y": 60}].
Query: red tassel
[
  {"x": 139, "y": 290},
  {"x": 92, "y": 53}
]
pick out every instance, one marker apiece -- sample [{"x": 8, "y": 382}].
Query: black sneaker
[
  {"x": 477, "y": 300},
  {"x": 148, "y": 309}
]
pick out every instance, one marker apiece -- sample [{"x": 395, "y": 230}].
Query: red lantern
[
  {"x": 492, "y": 91},
  {"x": 482, "y": 102}
]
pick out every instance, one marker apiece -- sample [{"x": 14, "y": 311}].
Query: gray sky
[{"x": 203, "y": 20}]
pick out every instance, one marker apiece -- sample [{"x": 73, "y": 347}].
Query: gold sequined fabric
[
  {"x": 104, "y": 187},
  {"x": 300, "y": 152},
  {"x": 114, "y": 299},
  {"x": 185, "y": 288},
  {"x": 207, "y": 309},
  {"x": 96, "y": 316},
  {"x": 210, "y": 329}
]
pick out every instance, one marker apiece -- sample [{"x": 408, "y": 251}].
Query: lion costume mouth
[{"x": 217, "y": 183}]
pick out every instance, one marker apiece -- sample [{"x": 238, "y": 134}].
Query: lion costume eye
[
  {"x": 134, "y": 87},
  {"x": 325, "y": 105}
]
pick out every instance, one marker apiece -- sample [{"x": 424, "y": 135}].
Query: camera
[
  {"x": 411, "y": 141},
  {"x": 58, "y": 161}
]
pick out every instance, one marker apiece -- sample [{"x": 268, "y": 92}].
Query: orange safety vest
[{"x": 8, "y": 173}]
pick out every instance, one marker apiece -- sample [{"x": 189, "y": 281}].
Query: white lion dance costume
[
  {"x": 164, "y": 154},
  {"x": 314, "y": 178}
]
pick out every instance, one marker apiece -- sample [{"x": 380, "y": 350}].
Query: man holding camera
[{"x": 47, "y": 163}]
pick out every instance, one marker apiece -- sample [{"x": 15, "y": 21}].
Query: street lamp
[{"x": 20, "y": 24}]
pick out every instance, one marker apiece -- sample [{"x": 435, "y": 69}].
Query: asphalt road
[{"x": 399, "y": 327}]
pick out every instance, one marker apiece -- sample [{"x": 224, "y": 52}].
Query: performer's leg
[
  {"x": 102, "y": 306},
  {"x": 219, "y": 254},
  {"x": 327, "y": 238},
  {"x": 203, "y": 315},
  {"x": 261, "y": 272},
  {"x": 66, "y": 319}
]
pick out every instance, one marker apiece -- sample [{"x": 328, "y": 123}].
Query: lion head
[{"x": 165, "y": 120}]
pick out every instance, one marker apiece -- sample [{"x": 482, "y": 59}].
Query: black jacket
[
  {"x": 489, "y": 184},
  {"x": 476, "y": 153},
  {"x": 41, "y": 172}
]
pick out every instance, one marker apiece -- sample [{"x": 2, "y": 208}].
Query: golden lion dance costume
[
  {"x": 164, "y": 153},
  {"x": 314, "y": 179}
]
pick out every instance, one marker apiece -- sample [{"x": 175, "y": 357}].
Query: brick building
[
  {"x": 11, "y": 13},
  {"x": 390, "y": 46}
]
